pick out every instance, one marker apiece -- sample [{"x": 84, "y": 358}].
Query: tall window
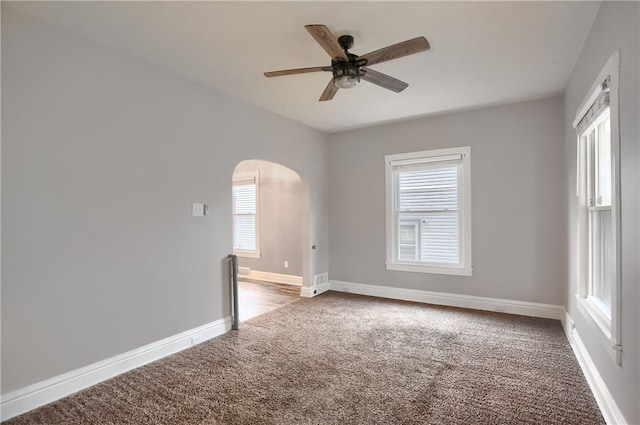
[
  {"x": 597, "y": 142},
  {"x": 598, "y": 194},
  {"x": 429, "y": 211},
  {"x": 246, "y": 241}
]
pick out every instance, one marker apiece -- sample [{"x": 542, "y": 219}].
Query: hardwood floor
[{"x": 257, "y": 297}]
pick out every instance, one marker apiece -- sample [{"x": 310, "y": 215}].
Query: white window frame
[
  {"x": 608, "y": 329},
  {"x": 392, "y": 263},
  {"x": 245, "y": 177}
]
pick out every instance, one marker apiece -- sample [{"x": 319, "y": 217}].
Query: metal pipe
[{"x": 233, "y": 271}]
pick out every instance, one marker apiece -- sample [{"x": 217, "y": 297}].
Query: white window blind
[
  {"x": 244, "y": 213},
  {"x": 601, "y": 100},
  {"x": 600, "y": 104},
  {"x": 428, "y": 211},
  {"x": 428, "y": 196},
  {"x": 245, "y": 217}
]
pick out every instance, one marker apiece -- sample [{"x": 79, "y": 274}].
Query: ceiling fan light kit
[
  {"x": 345, "y": 74},
  {"x": 348, "y": 68}
]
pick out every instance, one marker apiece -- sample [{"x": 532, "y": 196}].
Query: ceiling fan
[{"x": 348, "y": 68}]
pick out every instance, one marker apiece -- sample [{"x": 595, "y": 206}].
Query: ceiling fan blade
[
  {"x": 329, "y": 91},
  {"x": 383, "y": 80},
  {"x": 395, "y": 51},
  {"x": 327, "y": 40},
  {"x": 296, "y": 71}
]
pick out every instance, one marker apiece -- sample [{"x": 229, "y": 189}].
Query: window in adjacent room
[
  {"x": 598, "y": 194},
  {"x": 246, "y": 240},
  {"x": 429, "y": 211}
]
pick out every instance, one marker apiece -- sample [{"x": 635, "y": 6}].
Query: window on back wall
[
  {"x": 246, "y": 240},
  {"x": 429, "y": 211},
  {"x": 598, "y": 198}
]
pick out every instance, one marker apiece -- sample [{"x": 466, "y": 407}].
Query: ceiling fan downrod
[{"x": 346, "y": 73}]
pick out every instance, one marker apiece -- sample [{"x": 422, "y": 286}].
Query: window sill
[
  {"x": 458, "y": 271},
  {"x": 603, "y": 325},
  {"x": 247, "y": 254}
]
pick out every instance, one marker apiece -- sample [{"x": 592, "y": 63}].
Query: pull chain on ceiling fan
[{"x": 348, "y": 68}]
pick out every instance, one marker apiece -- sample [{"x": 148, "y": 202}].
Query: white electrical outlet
[{"x": 286, "y": 264}]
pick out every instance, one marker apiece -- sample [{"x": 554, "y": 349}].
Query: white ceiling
[{"x": 482, "y": 53}]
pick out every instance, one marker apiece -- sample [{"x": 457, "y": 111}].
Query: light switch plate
[{"x": 199, "y": 210}]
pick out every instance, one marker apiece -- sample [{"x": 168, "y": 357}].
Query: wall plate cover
[{"x": 199, "y": 210}]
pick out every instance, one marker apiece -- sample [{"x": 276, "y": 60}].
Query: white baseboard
[
  {"x": 309, "y": 292},
  {"x": 276, "y": 277},
  {"x": 568, "y": 325},
  {"x": 28, "y": 398},
  {"x": 610, "y": 411},
  {"x": 548, "y": 311}
]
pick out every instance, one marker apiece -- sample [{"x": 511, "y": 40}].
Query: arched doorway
[{"x": 268, "y": 235}]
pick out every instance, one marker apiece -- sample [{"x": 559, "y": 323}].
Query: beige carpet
[{"x": 348, "y": 359}]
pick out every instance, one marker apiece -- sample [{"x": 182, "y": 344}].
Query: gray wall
[
  {"x": 102, "y": 157},
  {"x": 615, "y": 27},
  {"x": 517, "y": 172},
  {"x": 280, "y": 219}
]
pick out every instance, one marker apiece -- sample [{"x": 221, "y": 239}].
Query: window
[
  {"x": 598, "y": 196},
  {"x": 246, "y": 240},
  {"x": 597, "y": 142},
  {"x": 429, "y": 211}
]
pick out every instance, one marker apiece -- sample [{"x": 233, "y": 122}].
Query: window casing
[
  {"x": 246, "y": 195},
  {"x": 429, "y": 211},
  {"x": 598, "y": 190}
]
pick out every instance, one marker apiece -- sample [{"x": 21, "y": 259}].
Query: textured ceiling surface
[{"x": 482, "y": 53}]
